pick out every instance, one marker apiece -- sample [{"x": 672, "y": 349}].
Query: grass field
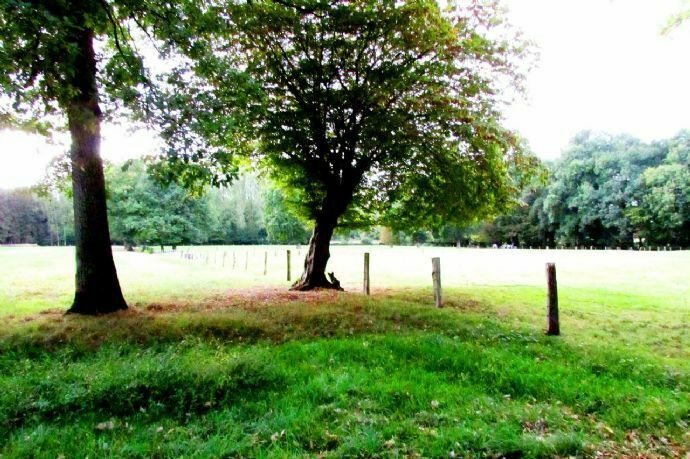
[{"x": 216, "y": 361}]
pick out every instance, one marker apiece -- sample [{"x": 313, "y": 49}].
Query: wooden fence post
[
  {"x": 553, "y": 322},
  {"x": 224, "y": 255},
  {"x": 265, "y": 262},
  {"x": 436, "y": 277},
  {"x": 288, "y": 266},
  {"x": 246, "y": 260},
  {"x": 233, "y": 259},
  {"x": 366, "y": 273}
]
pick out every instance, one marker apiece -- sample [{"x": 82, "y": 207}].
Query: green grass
[{"x": 204, "y": 364}]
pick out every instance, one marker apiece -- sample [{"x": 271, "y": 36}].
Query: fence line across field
[{"x": 220, "y": 258}]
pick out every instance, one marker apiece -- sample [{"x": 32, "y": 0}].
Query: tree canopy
[
  {"x": 605, "y": 191},
  {"x": 40, "y": 55},
  {"x": 374, "y": 111}
]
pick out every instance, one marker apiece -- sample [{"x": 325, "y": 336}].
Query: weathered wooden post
[
  {"x": 233, "y": 259},
  {"x": 553, "y": 322},
  {"x": 288, "y": 265},
  {"x": 436, "y": 277},
  {"x": 246, "y": 260},
  {"x": 366, "y": 273},
  {"x": 265, "y": 262}
]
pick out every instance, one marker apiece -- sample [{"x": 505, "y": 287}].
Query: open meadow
[{"x": 216, "y": 358}]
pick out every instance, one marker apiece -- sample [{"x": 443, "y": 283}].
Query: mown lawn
[{"x": 260, "y": 372}]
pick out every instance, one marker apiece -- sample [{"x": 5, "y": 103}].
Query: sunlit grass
[{"x": 206, "y": 364}]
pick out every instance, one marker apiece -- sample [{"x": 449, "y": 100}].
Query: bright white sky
[{"x": 603, "y": 65}]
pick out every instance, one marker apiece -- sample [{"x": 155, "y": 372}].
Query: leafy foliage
[
  {"x": 23, "y": 219},
  {"x": 39, "y": 56},
  {"x": 662, "y": 214},
  {"x": 282, "y": 226},
  {"x": 143, "y": 212},
  {"x": 527, "y": 225},
  {"x": 677, "y": 19},
  {"x": 594, "y": 186},
  {"x": 236, "y": 214},
  {"x": 606, "y": 191},
  {"x": 373, "y": 110}
]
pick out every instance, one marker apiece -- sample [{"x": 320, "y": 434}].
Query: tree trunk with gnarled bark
[
  {"x": 97, "y": 286},
  {"x": 314, "y": 275}
]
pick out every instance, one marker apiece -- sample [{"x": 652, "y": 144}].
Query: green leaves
[
  {"x": 38, "y": 52},
  {"x": 282, "y": 227},
  {"x": 144, "y": 212},
  {"x": 372, "y": 110},
  {"x": 608, "y": 189},
  {"x": 662, "y": 213},
  {"x": 375, "y": 111}
]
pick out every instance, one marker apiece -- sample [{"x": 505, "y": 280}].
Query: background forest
[{"x": 605, "y": 190}]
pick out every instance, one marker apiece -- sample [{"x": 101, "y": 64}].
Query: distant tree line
[
  {"x": 142, "y": 211},
  {"x": 604, "y": 191},
  {"x": 26, "y": 218}
]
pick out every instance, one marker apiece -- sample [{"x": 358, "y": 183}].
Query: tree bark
[
  {"x": 314, "y": 275},
  {"x": 97, "y": 286}
]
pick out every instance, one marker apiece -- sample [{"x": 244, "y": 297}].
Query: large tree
[
  {"x": 52, "y": 53},
  {"x": 376, "y": 111}
]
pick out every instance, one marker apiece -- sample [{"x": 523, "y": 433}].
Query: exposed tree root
[{"x": 317, "y": 282}]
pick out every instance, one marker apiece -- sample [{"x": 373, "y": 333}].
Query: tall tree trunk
[
  {"x": 97, "y": 287},
  {"x": 314, "y": 275}
]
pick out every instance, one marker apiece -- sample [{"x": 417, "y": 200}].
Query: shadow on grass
[{"x": 273, "y": 359}]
